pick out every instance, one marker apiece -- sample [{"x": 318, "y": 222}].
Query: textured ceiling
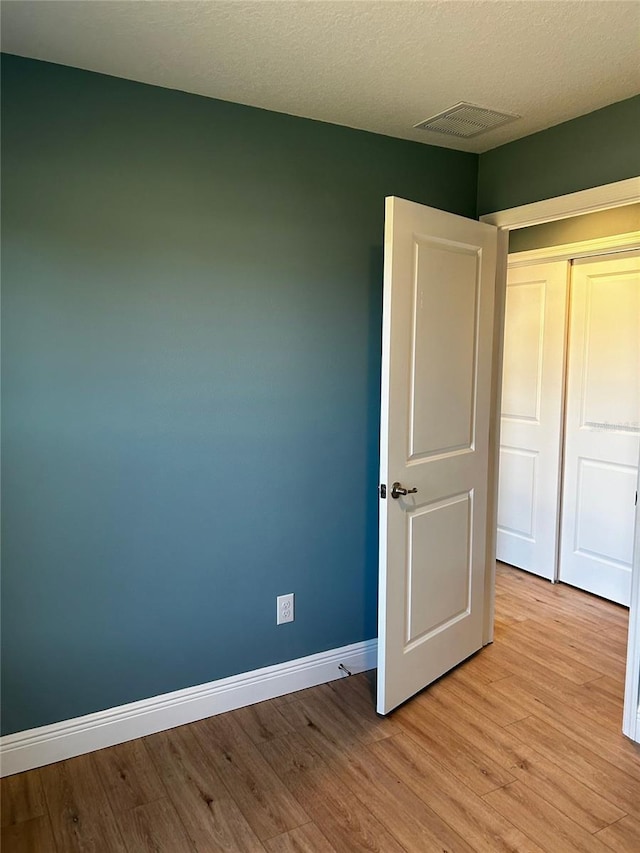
[{"x": 379, "y": 65}]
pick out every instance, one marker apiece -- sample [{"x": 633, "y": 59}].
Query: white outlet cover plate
[{"x": 284, "y": 609}]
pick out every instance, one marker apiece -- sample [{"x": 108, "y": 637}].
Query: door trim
[
  {"x": 574, "y": 251},
  {"x": 564, "y": 206},
  {"x": 631, "y": 711},
  {"x": 561, "y": 207}
]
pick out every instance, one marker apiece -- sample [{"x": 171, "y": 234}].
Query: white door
[
  {"x": 602, "y": 426},
  {"x": 439, "y": 283},
  {"x": 531, "y": 422}
]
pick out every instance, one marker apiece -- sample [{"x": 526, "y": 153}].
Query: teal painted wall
[
  {"x": 191, "y": 357},
  {"x": 599, "y": 148}
]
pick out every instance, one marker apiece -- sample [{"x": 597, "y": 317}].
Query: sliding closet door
[
  {"x": 602, "y": 426},
  {"x": 531, "y": 425}
]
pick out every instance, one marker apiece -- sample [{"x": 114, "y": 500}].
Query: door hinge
[{"x": 383, "y": 490}]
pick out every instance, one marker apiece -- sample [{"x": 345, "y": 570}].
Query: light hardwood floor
[{"x": 519, "y": 749}]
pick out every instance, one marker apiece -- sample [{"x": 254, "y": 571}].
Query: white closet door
[
  {"x": 602, "y": 434},
  {"x": 531, "y": 426}
]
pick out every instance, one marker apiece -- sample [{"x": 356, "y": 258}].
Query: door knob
[{"x": 397, "y": 490}]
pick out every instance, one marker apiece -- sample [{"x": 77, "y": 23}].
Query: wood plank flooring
[{"x": 519, "y": 749}]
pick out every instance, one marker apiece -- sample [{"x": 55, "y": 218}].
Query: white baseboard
[{"x": 37, "y": 747}]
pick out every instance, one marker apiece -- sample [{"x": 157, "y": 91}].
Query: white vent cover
[{"x": 465, "y": 120}]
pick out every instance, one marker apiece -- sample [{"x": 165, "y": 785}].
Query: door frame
[
  {"x": 576, "y": 251},
  {"x": 560, "y": 207}
]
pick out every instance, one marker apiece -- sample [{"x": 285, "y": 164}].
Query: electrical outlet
[{"x": 284, "y": 611}]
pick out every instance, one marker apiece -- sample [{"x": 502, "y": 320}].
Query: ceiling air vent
[{"x": 465, "y": 120}]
